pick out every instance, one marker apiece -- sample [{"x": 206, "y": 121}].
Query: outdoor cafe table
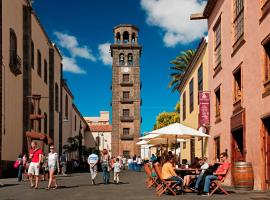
[{"x": 185, "y": 171}]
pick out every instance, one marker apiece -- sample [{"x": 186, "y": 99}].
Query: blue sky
[{"x": 79, "y": 28}]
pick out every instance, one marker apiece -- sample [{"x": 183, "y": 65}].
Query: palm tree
[{"x": 180, "y": 65}]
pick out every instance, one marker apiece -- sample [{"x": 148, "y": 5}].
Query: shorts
[
  {"x": 33, "y": 169},
  {"x": 51, "y": 167}
]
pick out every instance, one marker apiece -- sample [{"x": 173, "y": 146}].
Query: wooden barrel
[{"x": 243, "y": 176}]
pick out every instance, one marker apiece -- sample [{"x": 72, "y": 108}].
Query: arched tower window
[
  {"x": 121, "y": 59},
  {"x": 133, "y": 38},
  {"x": 14, "y": 60},
  {"x": 118, "y": 38},
  {"x": 130, "y": 59},
  {"x": 125, "y": 37},
  {"x": 66, "y": 107}
]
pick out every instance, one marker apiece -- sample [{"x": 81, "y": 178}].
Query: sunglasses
[
  {"x": 221, "y": 156},
  {"x": 51, "y": 148}
]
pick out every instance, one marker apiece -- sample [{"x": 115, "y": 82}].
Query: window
[
  {"x": 125, "y": 112},
  {"x": 126, "y": 131},
  {"x": 184, "y": 145},
  {"x": 218, "y": 103},
  {"x": 118, "y": 38},
  {"x": 45, "y": 123},
  {"x": 130, "y": 59},
  {"x": 66, "y": 107},
  {"x": 125, "y": 77},
  {"x": 265, "y": 8},
  {"x": 125, "y": 37},
  {"x": 45, "y": 72},
  {"x": 184, "y": 106},
  {"x": 32, "y": 54},
  {"x": 200, "y": 81},
  {"x": 126, "y": 154},
  {"x": 121, "y": 59},
  {"x": 56, "y": 97},
  {"x": 126, "y": 95},
  {"x": 14, "y": 59},
  {"x": 217, "y": 43},
  {"x": 191, "y": 96},
  {"x": 75, "y": 123},
  {"x": 39, "y": 63},
  {"x": 238, "y": 21},
  {"x": 217, "y": 147},
  {"x": 237, "y": 85},
  {"x": 267, "y": 61},
  {"x": 133, "y": 38}
]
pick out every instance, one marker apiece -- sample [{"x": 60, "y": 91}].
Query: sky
[{"x": 82, "y": 30}]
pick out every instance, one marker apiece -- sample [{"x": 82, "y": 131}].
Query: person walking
[
  {"x": 35, "y": 155},
  {"x": 105, "y": 165},
  {"x": 63, "y": 164},
  {"x": 92, "y": 161},
  {"x": 53, "y": 167},
  {"x": 116, "y": 170},
  {"x": 19, "y": 165}
]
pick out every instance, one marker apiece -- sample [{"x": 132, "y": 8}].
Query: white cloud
[
  {"x": 104, "y": 53},
  {"x": 173, "y": 16},
  {"x": 71, "y": 43},
  {"x": 70, "y": 65}
]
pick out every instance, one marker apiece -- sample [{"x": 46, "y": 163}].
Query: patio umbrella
[
  {"x": 143, "y": 142},
  {"x": 177, "y": 130},
  {"x": 148, "y": 136}
]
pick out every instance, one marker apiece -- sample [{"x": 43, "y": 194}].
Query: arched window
[
  {"x": 133, "y": 38},
  {"x": 121, "y": 59},
  {"x": 45, "y": 72},
  {"x": 45, "y": 122},
  {"x": 118, "y": 38},
  {"x": 56, "y": 97},
  {"x": 66, "y": 107},
  {"x": 125, "y": 37},
  {"x": 130, "y": 59},
  {"x": 14, "y": 59}
]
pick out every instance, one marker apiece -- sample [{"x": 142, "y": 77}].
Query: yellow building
[{"x": 194, "y": 80}]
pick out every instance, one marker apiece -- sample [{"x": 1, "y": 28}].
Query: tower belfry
[{"x": 126, "y": 87}]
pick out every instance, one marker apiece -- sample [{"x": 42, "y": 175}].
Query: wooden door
[
  {"x": 266, "y": 124},
  {"x": 238, "y": 147}
]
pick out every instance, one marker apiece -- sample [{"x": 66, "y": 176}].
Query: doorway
[
  {"x": 238, "y": 146},
  {"x": 266, "y": 126}
]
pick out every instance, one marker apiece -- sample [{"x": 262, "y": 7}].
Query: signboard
[{"x": 204, "y": 108}]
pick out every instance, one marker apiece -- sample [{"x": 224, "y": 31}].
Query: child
[{"x": 116, "y": 169}]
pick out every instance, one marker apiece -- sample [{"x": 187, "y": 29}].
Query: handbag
[{"x": 16, "y": 164}]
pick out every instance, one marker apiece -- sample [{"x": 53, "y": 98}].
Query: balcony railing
[
  {"x": 127, "y": 118},
  {"x": 127, "y": 137},
  {"x": 127, "y": 100},
  {"x": 15, "y": 63}
]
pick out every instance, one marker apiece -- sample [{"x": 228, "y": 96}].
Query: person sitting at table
[
  {"x": 218, "y": 174},
  {"x": 196, "y": 164},
  {"x": 184, "y": 163},
  {"x": 168, "y": 172},
  {"x": 203, "y": 168}
]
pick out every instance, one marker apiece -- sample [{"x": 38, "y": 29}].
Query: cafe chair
[
  {"x": 151, "y": 181},
  {"x": 216, "y": 184},
  {"x": 165, "y": 186}
]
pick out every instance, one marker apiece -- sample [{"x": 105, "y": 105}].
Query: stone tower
[{"x": 126, "y": 86}]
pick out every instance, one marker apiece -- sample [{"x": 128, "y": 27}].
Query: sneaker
[
  {"x": 93, "y": 182},
  {"x": 205, "y": 194}
]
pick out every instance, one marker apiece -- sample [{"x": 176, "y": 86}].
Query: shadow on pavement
[{"x": 8, "y": 185}]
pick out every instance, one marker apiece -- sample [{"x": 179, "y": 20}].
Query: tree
[
  {"x": 180, "y": 65},
  {"x": 166, "y": 118}
]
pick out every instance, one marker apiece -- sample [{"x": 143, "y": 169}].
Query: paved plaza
[{"x": 78, "y": 187}]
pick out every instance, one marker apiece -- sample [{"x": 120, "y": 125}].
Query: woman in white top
[{"x": 53, "y": 165}]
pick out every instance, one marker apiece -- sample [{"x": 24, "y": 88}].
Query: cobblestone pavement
[{"x": 78, "y": 187}]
